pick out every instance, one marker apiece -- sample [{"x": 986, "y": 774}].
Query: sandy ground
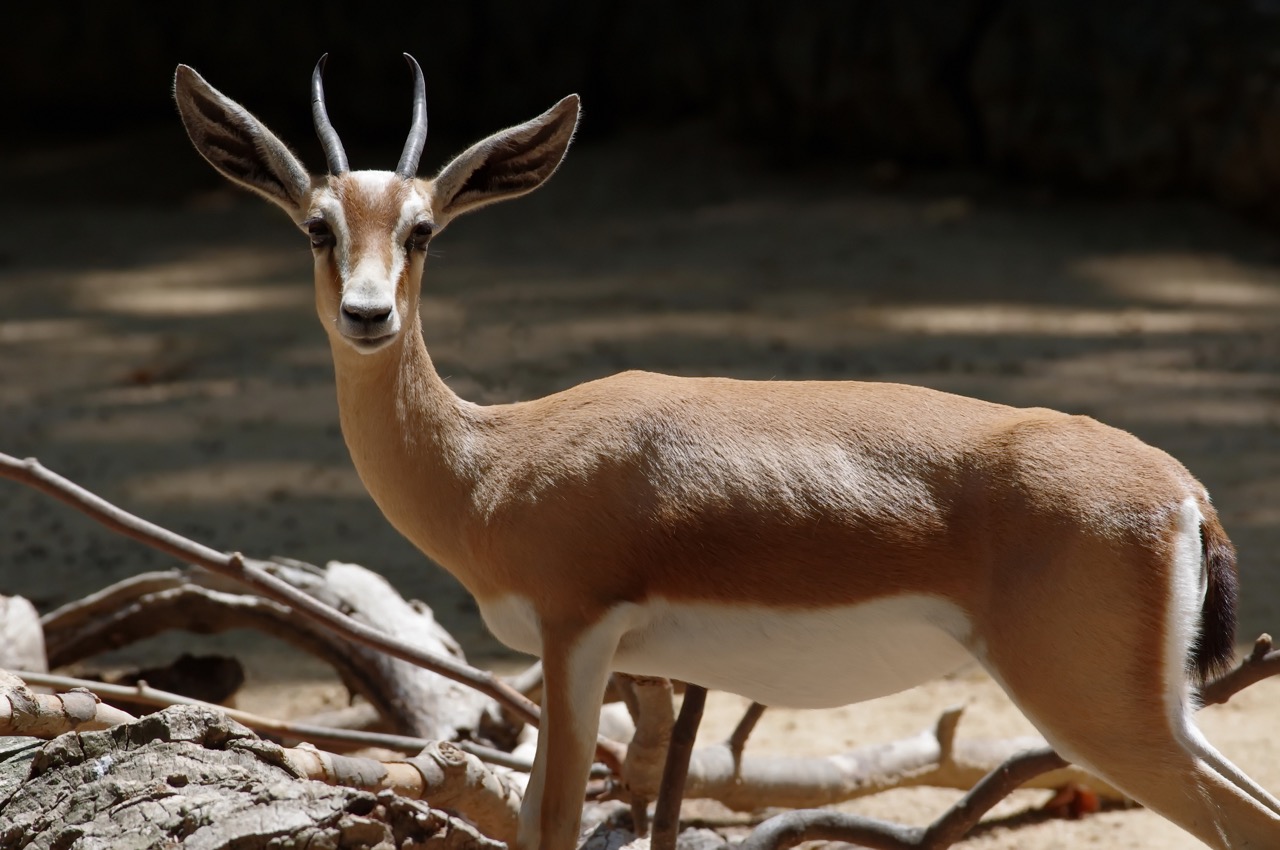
[{"x": 158, "y": 344}]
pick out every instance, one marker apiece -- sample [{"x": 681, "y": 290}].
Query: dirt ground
[{"x": 158, "y": 344}]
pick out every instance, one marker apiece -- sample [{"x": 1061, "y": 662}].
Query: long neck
[{"x": 411, "y": 439}]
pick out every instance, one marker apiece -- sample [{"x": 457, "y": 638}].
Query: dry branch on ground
[
  {"x": 412, "y": 700},
  {"x": 192, "y": 776}
]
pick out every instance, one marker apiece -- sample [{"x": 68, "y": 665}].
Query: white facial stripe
[
  {"x": 328, "y": 206},
  {"x": 410, "y": 210},
  {"x": 367, "y": 267}
]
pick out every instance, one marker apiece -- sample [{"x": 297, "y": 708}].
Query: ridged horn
[
  {"x": 408, "y": 167},
  {"x": 333, "y": 152}
]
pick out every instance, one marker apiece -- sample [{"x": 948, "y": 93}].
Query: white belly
[{"x": 803, "y": 658}]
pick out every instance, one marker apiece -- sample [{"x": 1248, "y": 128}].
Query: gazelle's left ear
[
  {"x": 508, "y": 164},
  {"x": 239, "y": 145}
]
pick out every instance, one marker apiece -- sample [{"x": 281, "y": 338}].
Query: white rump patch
[{"x": 1188, "y": 585}]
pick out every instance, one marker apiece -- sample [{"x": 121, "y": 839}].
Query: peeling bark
[{"x": 191, "y": 776}]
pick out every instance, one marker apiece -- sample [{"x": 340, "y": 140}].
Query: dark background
[{"x": 1136, "y": 96}]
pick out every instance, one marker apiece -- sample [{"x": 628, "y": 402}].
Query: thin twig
[
  {"x": 792, "y": 828},
  {"x": 738, "y": 740},
  {"x": 144, "y": 693},
  {"x": 235, "y": 565},
  {"x": 1261, "y": 663},
  {"x": 32, "y": 473},
  {"x": 666, "y": 815},
  {"x": 994, "y": 787}
]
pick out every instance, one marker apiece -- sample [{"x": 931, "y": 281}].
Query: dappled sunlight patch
[
  {"x": 1163, "y": 368},
  {"x": 201, "y": 268},
  {"x": 27, "y": 331},
  {"x": 245, "y": 482},
  {"x": 206, "y": 301},
  {"x": 158, "y": 426},
  {"x": 1185, "y": 279},
  {"x": 201, "y": 284},
  {"x": 1027, "y": 319},
  {"x": 1253, "y": 411},
  {"x": 146, "y": 394}
]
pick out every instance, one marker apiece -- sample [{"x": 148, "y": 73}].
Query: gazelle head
[{"x": 369, "y": 230}]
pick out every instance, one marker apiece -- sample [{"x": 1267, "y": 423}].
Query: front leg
[{"x": 575, "y": 669}]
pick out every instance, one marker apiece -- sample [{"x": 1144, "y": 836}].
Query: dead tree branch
[
  {"x": 234, "y": 565},
  {"x": 649, "y": 699},
  {"x": 792, "y": 828},
  {"x": 738, "y": 740},
  {"x": 24, "y": 712},
  {"x": 251, "y": 573},
  {"x": 285, "y": 730},
  {"x": 21, "y": 638},
  {"x": 666, "y": 817},
  {"x": 934, "y": 757},
  {"x": 413, "y": 701},
  {"x": 188, "y": 774},
  {"x": 1262, "y": 662}
]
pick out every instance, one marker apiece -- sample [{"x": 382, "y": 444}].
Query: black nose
[{"x": 366, "y": 314}]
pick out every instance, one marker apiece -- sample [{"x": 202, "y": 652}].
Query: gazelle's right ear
[{"x": 238, "y": 145}]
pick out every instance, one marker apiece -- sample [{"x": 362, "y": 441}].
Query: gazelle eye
[
  {"x": 319, "y": 231},
  {"x": 419, "y": 236}
]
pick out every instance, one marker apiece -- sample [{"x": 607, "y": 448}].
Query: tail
[{"x": 1215, "y": 646}]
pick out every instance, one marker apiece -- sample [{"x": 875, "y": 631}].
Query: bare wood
[
  {"x": 236, "y": 566},
  {"x": 738, "y": 739},
  {"x": 24, "y": 712},
  {"x": 666, "y": 817},
  {"x": 463, "y": 783},
  {"x": 792, "y": 828},
  {"x": 144, "y": 694},
  {"x": 250, "y": 573},
  {"x": 758, "y": 782},
  {"x": 649, "y": 698},
  {"x": 413, "y": 701},
  {"x": 443, "y": 708},
  {"x": 21, "y": 638},
  {"x": 1261, "y": 663},
  {"x": 444, "y": 773},
  {"x": 199, "y": 777},
  {"x": 933, "y": 757}
]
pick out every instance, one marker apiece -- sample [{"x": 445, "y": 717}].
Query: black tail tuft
[{"x": 1215, "y": 647}]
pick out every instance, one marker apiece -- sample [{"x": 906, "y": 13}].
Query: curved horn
[
  {"x": 333, "y": 151},
  {"x": 408, "y": 167}
]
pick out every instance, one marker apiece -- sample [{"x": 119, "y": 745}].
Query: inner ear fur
[
  {"x": 238, "y": 145},
  {"x": 508, "y": 164}
]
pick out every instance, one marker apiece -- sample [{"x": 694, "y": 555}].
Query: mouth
[{"x": 368, "y": 345}]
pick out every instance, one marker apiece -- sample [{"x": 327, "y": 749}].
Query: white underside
[{"x": 802, "y": 658}]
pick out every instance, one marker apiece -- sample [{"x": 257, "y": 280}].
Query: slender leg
[
  {"x": 1126, "y": 715},
  {"x": 575, "y": 669}
]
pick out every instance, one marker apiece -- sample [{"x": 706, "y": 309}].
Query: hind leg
[
  {"x": 1161, "y": 761},
  {"x": 1229, "y": 771},
  {"x": 1109, "y": 718}
]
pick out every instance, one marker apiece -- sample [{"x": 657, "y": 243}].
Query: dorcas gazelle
[{"x": 799, "y": 543}]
